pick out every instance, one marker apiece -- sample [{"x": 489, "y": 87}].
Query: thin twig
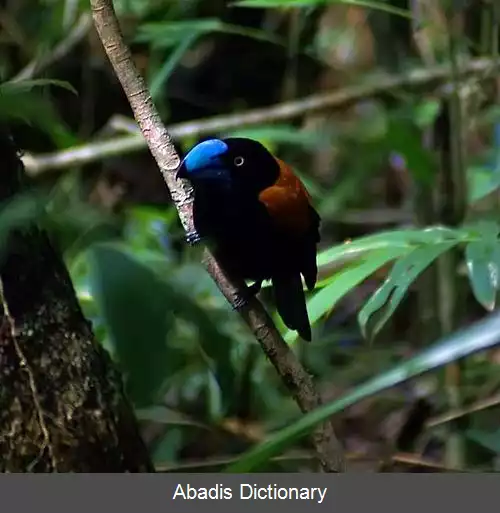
[
  {"x": 379, "y": 84},
  {"x": 79, "y": 31},
  {"x": 453, "y": 415},
  {"x": 415, "y": 460},
  {"x": 293, "y": 375}
]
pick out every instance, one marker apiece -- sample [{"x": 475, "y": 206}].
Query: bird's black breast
[{"x": 241, "y": 231}]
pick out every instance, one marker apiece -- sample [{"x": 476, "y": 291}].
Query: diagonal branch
[
  {"x": 379, "y": 84},
  {"x": 293, "y": 375}
]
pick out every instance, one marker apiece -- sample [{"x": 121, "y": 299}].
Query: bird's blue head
[
  {"x": 205, "y": 162},
  {"x": 231, "y": 163}
]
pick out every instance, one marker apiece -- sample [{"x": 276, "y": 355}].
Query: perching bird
[{"x": 259, "y": 216}]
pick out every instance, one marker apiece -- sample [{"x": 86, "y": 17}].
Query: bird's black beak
[{"x": 181, "y": 171}]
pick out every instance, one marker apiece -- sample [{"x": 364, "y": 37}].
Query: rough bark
[{"x": 62, "y": 405}]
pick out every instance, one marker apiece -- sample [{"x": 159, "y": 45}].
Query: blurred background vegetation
[{"x": 388, "y": 112}]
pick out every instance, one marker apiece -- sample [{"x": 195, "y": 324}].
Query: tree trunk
[{"x": 62, "y": 404}]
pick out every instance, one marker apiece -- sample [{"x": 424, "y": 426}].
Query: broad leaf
[{"x": 138, "y": 309}]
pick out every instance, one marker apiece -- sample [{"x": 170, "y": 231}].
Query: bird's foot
[
  {"x": 241, "y": 301},
  {"x": 193, "y": 238}
]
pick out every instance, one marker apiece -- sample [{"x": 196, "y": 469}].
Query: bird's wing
[
  {"x": 288, "y": 205},
  {"x": 309, "y": 266}
]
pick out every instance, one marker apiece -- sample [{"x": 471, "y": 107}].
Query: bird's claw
[
  {"x": 193, "y": 238},
  {"x": 239, "y": 303}
]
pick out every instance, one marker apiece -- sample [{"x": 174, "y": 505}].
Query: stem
[{"x": 452, "y": 208}]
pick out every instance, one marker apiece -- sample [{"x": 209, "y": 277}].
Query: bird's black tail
[{"x": 291, "y": 304}]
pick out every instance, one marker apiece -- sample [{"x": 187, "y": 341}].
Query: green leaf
[
  {"x": 18, "y": 212},
  {"x": 20, "y": 103},
  {"x": 28, "y": 85},
  {"x": 138, "y": 310},
  {"x": 145, "y": 228},
  {"x": 344, "y": 281},
  {"x": 410, "y": 238},
  {"x": 481, "y": 183},
  {"x": 483, "y": 265},
  {"x": 478, "y": 337},
  {"x": 381, "y": 6},
  {"x": 168, "y": 447},
  {"x": 403, "y": 274},
  {"x": 426, "y": 112},
  {"x": 168, "y": 34},
  {"x": 488, "y": 440},
  {"x": 161, "y": 77},
  {"x": 215, "y": 347},
  {"x": 140, "y": 307}
]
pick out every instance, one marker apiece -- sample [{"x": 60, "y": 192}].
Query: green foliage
[
  {"x": 483, "y": 264},
  {"x": 489, "y": 440},
  {"x": 393, "y": 240},
  {"x": 23, "y": 86},
  {"x": 403, "y": 137},
  {"x": 138, "y": 310},
  {"x": 461, "y": 344},
  {"x": 341, "y": 283},
  {"x": 192, "y": 369},
  {"x": 21, "y": 101},
  {"x": 166, "y": 35},
  {"x": 381, "y": 6},
  {"x": 181, "y": 36},
  {"x": 403, "y": 274},
  {"x": 160, "y": 78},
  {"x": 18, "y": 213},
  {"x": 414, "y": 251}
]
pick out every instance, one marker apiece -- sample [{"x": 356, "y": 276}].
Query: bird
[{"x": 259, "y": 218}]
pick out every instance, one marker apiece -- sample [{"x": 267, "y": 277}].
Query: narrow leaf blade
[
  {"x": 390, "y": 239},
  {"x": 392, "y": 292},
  {"x": 343, "y": 282},
  {"x": 478, "y": 337}
]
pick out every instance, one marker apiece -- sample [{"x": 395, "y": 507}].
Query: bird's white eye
[{"x": 239, "y": 161}]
